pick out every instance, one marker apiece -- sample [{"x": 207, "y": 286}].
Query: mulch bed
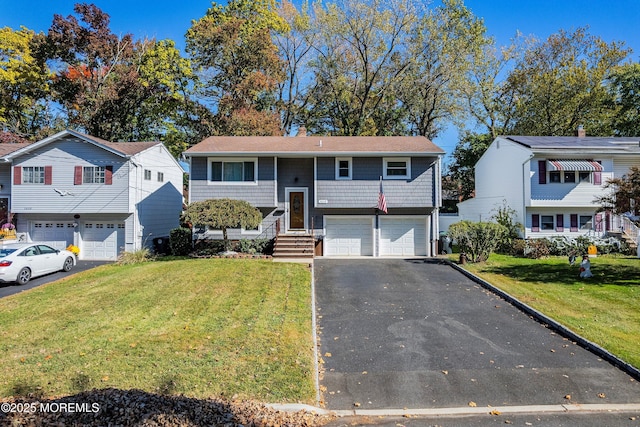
[{"x": 114, "y": 407}]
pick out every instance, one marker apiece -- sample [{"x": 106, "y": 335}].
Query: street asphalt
[
  {"x": 405, "y": 336},
  {"x": 7, "y": 289}
]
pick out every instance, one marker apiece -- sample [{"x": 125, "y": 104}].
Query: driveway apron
[{"x": 412, "y": 334}]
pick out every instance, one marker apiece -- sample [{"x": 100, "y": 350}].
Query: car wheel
[
  {"x": 23, "y": 276},
  {"x": 68, "y": 264}
]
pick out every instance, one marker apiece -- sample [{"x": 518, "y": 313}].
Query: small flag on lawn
[{"x": 382, "y": 202}]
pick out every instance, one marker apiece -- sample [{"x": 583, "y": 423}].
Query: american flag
[{"x": 382, "y": 201}]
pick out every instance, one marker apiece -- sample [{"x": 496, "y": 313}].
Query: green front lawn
[
  {"x": 198, "y": 327},
  {"x": 605, "y": 309}
]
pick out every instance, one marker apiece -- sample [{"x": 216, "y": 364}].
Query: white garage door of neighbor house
[
  {"x": 348, "y": 236},
  {"x": 403, "y": 236},
  {"x": 101, "y": 240},
  {"x": 58, "y": 234}
]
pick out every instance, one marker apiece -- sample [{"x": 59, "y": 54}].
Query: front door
[{"x": 296, "y": 210}]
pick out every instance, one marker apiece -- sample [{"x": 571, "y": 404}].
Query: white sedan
[{"x": 19, "y": 262}]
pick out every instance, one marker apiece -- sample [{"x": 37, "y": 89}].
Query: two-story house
[
  {"x": 104, "y": 197},
  {"x": 328, "y": 186},
  {"x": 551, "y": 182}
]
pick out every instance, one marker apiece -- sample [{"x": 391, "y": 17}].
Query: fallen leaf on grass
[
  {"x": 48, "y": 357},
  {"x": 105, "y": 378}
]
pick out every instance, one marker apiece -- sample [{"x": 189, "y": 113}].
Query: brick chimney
[
  {"x": 581, "y": 132},
  {"x": 302, "y": 131}
]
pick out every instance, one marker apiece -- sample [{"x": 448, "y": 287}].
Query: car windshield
[{"x": 6, "y": 251}]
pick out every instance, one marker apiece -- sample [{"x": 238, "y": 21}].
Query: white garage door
[
  {"x": 348, "y": 236},
  {"x": 101, "y": 240},
  {"x": 403, "y": 236},
  {"x": 58, "y": 234}
]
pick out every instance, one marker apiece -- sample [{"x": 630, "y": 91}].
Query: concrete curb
[
  {"x": 464, "y": 410},
  {"x": 457, "y": 411},
  {"x": 547, "y": 321}
]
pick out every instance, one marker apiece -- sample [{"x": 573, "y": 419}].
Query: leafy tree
[
  {"x": 477, "y": 240},
  {"x": 443, "y": 45},
  {"x": 240, "y": 66},
  {"x": 23, "y": 84},
  {"x": 115, "y": 87},
  {"x": 625, "y": 195},
  {"x": 223, "y": 214},
  {"x": 461, "y": 171},
  {"x": 360, "y": 59},
  {"x": 624, "y": 86},
  {"x": 295, "y": 48},
  {"x": 490, "y": 101},
  {"x": 558, "y": 84}
]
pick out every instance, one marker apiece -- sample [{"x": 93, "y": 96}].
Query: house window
[
  {"x": 343, "y": 168},
  {"x": 584, "y": 176},
  {"x": 585, "y": 222},
  {"x": 233, "y": 170},
  {"x": 147, "y": 175},
  {"x": 546, "y": 222},
  {"x": 554, "y": 176},
  {"x": 397, "y": 168},
  {"x": 160, "y": 177},
  {"x": 569, "y": 176},
  {"x": 33, "y": 174},
  {"x": 93, "y": 174}
]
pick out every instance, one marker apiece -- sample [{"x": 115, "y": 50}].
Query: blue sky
[{"x": 611, "y": 20}]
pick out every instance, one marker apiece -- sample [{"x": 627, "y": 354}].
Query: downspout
[{"x": 524, "y": 195}]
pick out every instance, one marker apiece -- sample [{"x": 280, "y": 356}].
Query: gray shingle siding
[
  {"x": 362, "y": 190},
  {"x": 261, "y": 194}
]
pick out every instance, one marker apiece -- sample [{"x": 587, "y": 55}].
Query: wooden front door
[{"x": 296, "y": 210}]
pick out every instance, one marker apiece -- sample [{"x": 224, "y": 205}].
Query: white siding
[
  {"x": 158, "y": 203},
  {"x": 501, "y": 176}
]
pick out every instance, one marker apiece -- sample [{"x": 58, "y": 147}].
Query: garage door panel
[
  {"x": 349, "y": 236},
  {"x": 57, "y": 234},
  {"x": 101, "y": 240},
  {"x": 403, "y": 236}
]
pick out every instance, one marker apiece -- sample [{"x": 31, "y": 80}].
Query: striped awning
[{"x": 574, "y": 165}]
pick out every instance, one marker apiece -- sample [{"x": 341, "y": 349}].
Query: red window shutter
[
  {"x": 108, "y": 175},
  {"x": 542, "y": 171},
  {"x": 535, "y": 222},
  {"x": 559, "y": 222},
  {"x": 574, "y": 222},
  {"x": 48, "y": 172},
  {"x": 597, "y": 178},
  {"x": 77, "y": 175},
  {"x": 17, "y": 175}
]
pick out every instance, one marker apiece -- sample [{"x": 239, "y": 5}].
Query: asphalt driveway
[
  {"x": 409, "y": 334},
  {"x": 7, "y": 289}
]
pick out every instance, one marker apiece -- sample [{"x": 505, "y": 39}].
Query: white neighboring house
[
  {"x": 550, "y": 182},
  {"x": 104, "y": 197}
]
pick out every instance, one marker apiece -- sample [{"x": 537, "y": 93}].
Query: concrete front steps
[{"x": 294, "y": 246}]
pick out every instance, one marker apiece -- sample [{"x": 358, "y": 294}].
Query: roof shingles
[{"x": 315, "y": 145}]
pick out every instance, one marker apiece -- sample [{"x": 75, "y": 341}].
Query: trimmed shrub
[
  {"x": 254, "y": 246},
  {"x": 180, "y": 241},
  {"x": 477, "y": 239}
]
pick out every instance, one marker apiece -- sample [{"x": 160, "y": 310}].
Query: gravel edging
[{"x": 552, "y": 324}]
